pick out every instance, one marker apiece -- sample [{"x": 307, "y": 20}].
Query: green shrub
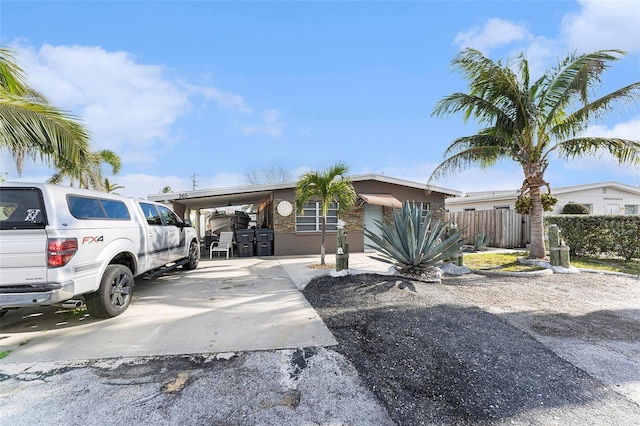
[
  {"x": 595, "y": 235},
  {"x": 573, "y": 208},
  {"x": 413, "y": 243}
]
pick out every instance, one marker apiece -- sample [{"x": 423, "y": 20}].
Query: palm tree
[
  {"x": 107, "y": 186},
  {"x": 29, "y": 126},
  {"x": 332, "y": 185},
  {"x": 528, "y": 123},
  {"x": 88, "y": 173}
]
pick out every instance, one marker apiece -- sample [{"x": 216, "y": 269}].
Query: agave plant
[
  {"x": 481, "y": 241},
  {"x": 414, "y": 241}
]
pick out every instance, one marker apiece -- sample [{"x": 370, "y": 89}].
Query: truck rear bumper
[{"x": 37, "y": 298}]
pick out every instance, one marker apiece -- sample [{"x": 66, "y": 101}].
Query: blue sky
[{"x": 220, "y": 90}]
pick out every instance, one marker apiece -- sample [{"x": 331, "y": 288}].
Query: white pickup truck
[{"x": 68, "y": 246}]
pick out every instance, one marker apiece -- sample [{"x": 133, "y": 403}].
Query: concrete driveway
[
  {"x": 232, "y": 342},
  {"x": 240, "y": 304}
]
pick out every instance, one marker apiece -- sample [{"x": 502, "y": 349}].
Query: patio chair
[{"x": 224, "y": 244}]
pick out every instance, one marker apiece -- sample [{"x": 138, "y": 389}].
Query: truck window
[
  {"x": 85, "y": 208},
  {"x": 21, "y": 208},
  {"x": 170, "y": 218},
  {"x": 97, "y": 208},
  {"x": 151, "y": 213},
  {"x": 115, "y": 209}
]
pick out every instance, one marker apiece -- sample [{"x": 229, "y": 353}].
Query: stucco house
[
  {"x": 600, "y": 198},
  {"x": 300, "y": 234}
]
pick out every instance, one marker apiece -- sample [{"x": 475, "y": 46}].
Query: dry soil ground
[{"x": 557, "y": 349}]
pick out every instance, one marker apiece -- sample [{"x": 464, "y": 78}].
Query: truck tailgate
[{"x": 23, "y": 257}]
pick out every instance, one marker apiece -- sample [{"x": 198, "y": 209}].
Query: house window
[
  {"x": 425, "y": 209},
  {"x": 630, "y": 209},
  {"x": 311, "y": 218}
]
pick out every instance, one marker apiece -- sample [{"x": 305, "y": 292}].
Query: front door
[
  {"x": 371, "y": 213},
  {"x": 611, "y": 208}
]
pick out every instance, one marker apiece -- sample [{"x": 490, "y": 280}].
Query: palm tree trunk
[
  {"x": 322, "y": 247},
  {"x": 537, "y": 250}
]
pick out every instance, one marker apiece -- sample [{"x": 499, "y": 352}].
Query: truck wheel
[
  {"x": 114, "y": 295},
  {"x": 194, "y": 256}
]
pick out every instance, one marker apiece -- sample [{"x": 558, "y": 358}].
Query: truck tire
[
  {"x": 194, "y": 256},
  {"x": 114, "y": 295}
]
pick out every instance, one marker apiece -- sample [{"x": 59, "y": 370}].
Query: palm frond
[
  {"x": 482, "y": 156},
  {"x": 332, "y": 185},
  {"x": 628, "y": 96},
  {"x": 42, "y": 129},
  {"x": 573, "y": 78},
  {"x": 623, "y": 150}
]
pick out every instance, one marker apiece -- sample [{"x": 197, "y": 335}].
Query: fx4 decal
[{"x": 91, "y": 240}]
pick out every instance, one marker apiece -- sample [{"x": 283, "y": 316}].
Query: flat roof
[{"x": 255, "y": 194}]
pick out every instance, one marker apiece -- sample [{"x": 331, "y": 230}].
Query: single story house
[
  {"x": 600, "y": 198},
  {"x": 300, "y": 234}
]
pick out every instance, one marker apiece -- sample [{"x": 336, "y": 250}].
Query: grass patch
[
  {"x": 507, "y": 262},
  {"x": 5, "y": 354},
  {"x": 612, "y": 265},
  {"x": 500, "y": 262}
]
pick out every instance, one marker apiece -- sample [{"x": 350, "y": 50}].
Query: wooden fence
[{"x": 506, "y": 228}]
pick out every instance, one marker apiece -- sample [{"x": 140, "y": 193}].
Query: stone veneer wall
[
  {"x": 283, "y": 224},
  {"x": 438, "y": 210},
  {"x": 354, "y": 219}
]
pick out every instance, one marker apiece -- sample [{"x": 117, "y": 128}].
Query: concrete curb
[
  {"x": 603, "y": 272},
  {"x": 525, "y": 274}
]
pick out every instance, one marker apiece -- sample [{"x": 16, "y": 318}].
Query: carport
[
  {"x": 273, "y": 206},
  {"x": 186, "y": 202}
]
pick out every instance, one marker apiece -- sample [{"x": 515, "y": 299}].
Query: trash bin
[
  {"x": 244, "y": 242},
  {"x": 264, "y": 242}
]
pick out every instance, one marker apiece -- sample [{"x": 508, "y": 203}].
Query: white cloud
[
  {"x": 270, "y": 126},
  {"x": 604, "y": 24},
  {"x": 126, "y": 106},
  {"x": 598, "y": 24},
  {"x": 627, "y": 130},
  {"x": 495, "y": 32},
  {"x": 225, "y": 100}
]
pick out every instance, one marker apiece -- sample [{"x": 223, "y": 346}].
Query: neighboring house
[
  {"x": 600, "y": 198},
  {"x": 298, "y": 234}
]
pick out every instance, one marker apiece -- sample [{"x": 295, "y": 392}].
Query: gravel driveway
[{"x": 558, "y": 349}]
